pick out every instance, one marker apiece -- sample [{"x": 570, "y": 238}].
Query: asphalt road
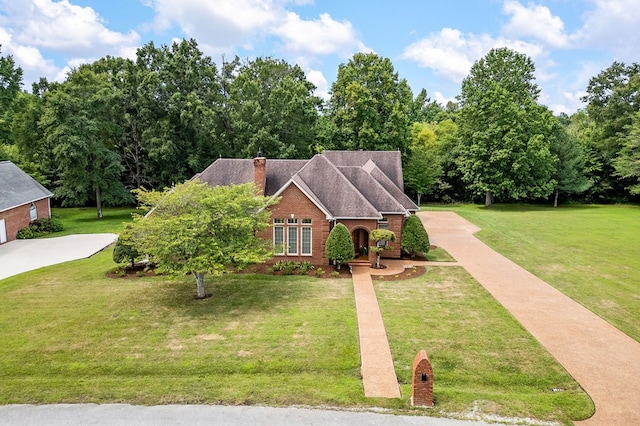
[{"x": 195, "y": 415}]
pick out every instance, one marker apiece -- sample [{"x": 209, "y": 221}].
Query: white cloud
[
  {"x": 223, "y": 25},
  {"x": 322, "y": 85},
  {"x": 442, "y": 99},
  {"x": 534, "y": 21},
  {"x": 451, "y": 54},
  {"x": 58, "y": 28},
  {"x": 323, "y": 36},
  {"x": 612, "y": 25},
  {"x": 62, "y": 27}
]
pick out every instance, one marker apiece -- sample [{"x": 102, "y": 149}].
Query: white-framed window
[
  {"x": 292, "y": 237},
  {"x": 383, "y": 223},
  {"x": 305, "y": 241},
  {"x": 278, "y": 239},
  {"x": 292, "y": 240},
  {"x": 33, "y": 212}
]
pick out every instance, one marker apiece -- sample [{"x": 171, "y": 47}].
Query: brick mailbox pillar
[{"x": 422, "y": 383}]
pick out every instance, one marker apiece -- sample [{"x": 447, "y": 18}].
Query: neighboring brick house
[
  {"x": 364, "y": 190},
  {"x": 22, "y": 200}
]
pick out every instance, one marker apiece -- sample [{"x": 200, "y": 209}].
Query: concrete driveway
[{"x": 21, "y": 256}]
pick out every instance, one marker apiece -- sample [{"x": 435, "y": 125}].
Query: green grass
[
  {"x": 439, "y": 255},
  {"x": 84, "y": 220},
  {"x": 72, "y": 335},
  {"x": 481, "y": 355},
  {"x": 589, "y": 252}
]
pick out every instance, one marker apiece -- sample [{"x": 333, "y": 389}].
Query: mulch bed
[{"x": 138, "y": 271}]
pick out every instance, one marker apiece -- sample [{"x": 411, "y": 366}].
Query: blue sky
[{"x": 432, "y": 43}]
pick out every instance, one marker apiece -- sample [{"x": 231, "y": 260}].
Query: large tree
[
  {"x": 370, "y": 105},
  {"x": 178, "y": 100},
  {"x": 613, "y": 98},
  {"x": 271, "y": 108},
  {"x": 79, "y": 125},
  {"x": 424, "y": 168},
  {"x": 194, "y": 228},
  {"x": 627, "y": 163},
  {"x": 569, "y": 173},
  {"x": 10, "y": 83},
  {"x": 504, "y": 134}
]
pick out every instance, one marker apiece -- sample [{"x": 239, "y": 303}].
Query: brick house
[
  {"x": 364, "y": 190},
  {"x": 22, "y": 200}
]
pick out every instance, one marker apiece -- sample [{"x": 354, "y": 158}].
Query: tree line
[{"x": 119, "y": 124}]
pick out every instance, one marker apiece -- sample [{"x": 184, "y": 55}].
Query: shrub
[
  {"x": 339, "y": 246},
  {"x": 125, "y": 250},
  {"x": 414, "y": 237},
  {"x": 25, "y": 234},
  {"x": 319, "y": 272},
  {"x": 305, "y": 267},
  {"x": 40, "y": 227}
]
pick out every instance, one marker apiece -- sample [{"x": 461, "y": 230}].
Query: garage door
[{"x": 3, "y": 232}]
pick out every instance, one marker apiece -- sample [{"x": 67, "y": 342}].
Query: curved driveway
[
  {"x": 21, "y": 256},
  {"x": 602, "y": 359}
]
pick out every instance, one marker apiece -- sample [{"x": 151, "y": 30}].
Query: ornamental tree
[
  {"x": 339, "y": 246},
  {"x": 194, "y": 228},
  {"x": 414, "y": 237},
  {"x": 381, "y": 238}
]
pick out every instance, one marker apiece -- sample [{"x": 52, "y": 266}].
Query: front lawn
[{"x": 72, "y": 335}]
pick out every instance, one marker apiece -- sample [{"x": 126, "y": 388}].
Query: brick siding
[{"x": 19, "y": 217}]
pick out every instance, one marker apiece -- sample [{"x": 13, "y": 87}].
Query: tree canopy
[
  {"x": 194, "y": 228},
  {"x": 504, "y": 134},
  {"x": 370, "y": 105},
  {"x": 163, "y": 116}
]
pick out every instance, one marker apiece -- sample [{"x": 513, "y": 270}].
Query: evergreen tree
[
  {"x": 414, "y": 237},
  {"x": 339, "y": 246}
]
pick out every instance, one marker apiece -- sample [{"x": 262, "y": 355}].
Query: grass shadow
[{"x": 237, "y": 293}]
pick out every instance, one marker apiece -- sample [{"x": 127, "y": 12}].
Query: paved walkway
[
  {"x": 602, "y": 359},
  {"x": 378, "y": 373},
  {"x": 26, "y": 255}
]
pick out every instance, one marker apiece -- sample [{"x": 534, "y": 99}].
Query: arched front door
[{"x": 360, "y": 237}]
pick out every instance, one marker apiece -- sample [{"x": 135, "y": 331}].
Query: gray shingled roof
[
  {"x": 343, "y": 184},
  {"x": 390, "y": 162},
  {"x": 335, "y": 191},
  {"x": 18, "y": 188}
]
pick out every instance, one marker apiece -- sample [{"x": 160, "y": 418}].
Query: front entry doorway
[{"x": 360, "y": 239}]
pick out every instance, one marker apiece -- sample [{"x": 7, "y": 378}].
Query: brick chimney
[{"x": 260, "y": 172}]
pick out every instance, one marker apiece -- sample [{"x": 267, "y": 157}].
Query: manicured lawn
[
  {"x": 480, "y": 354},
  {"x": 81, "y": 220},
  {"x": 72, "y": 335},
  {"x": 591, "y": 252}
]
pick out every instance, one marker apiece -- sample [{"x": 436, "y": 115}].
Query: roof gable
[
  {"x": 372, "y": 190},
  {"x": 18, "y": 188},
  {"x": 397, "y": 193},
  {"x": 389, "y": 162},
  {"x": 341, "y": 198},
  {"x": 343, "y": 184}
]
